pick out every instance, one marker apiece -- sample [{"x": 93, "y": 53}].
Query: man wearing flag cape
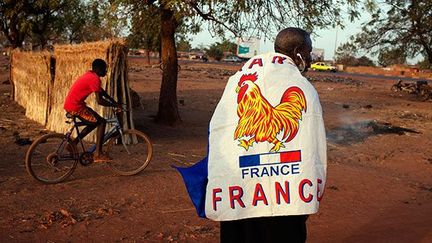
[{"x": 266, "y": 166}]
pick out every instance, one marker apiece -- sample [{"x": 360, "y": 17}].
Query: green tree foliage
[
  {"x": 92, "y": 20},
  {"x": 13, "y": 21},
  {"x": 347, "y": 61},
  {"x": 227, "y": 46},
  {"x": 245, "y": 18},
  {"x": 239, "y": 17},
  {"x": 365, "y": 61},
  {"x": 389, "y": 57},
  {"x": 183, "y": 44},
  {"x": 354, "y": 61},
  {"x": 347, "y": 53},
  {"x": 3, "y": 40},
  {"x": 41, "y": 21},
  {"x": 425, "y": 64},
  {"x": 215, "y": 52},
  {"x": 37, "y": 21},
  {"x": 145, "y": 27},
  {"x": 399, "y": 25},
  {"x": 43, "y": 16},
  {"x": 73, "y": 22}
]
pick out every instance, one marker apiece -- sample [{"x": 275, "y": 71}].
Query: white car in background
[{"x": 232, "y": 59}]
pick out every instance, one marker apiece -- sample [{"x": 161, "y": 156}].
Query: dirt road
[{"x": 379, "y": 184}]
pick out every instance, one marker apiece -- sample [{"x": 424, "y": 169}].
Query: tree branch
[{"x": 209, "y": 16}]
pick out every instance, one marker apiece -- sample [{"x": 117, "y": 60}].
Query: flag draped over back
[{"x": 267, "y": 146}]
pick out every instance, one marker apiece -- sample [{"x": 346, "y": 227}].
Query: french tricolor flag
[{"x": 270, "y": 158}]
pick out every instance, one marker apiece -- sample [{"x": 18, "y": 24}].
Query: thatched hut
[
  {"x": 31, "y": 76},
  {"x": 59, "y": 70}
]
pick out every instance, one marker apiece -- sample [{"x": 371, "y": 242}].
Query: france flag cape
[{"x": 267, "y": 146}]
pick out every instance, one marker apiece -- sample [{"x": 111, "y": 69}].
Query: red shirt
[{"x": 80, "y": 90}]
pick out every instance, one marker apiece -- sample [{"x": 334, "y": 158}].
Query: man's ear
[{"x": 297, "y": 60}]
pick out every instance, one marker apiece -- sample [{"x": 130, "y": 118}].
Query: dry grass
[{"x": 31, "y": 77}]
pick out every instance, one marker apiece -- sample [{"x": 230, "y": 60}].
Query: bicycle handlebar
[{"x": 119, "y": 109}]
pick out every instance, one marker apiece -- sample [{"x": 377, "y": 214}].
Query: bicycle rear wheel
[
  {"x": 51, "y": 158},
  {"x": 131, "y": 152}
]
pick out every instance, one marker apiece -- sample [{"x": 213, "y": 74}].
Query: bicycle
[{"x": 53, "y": 157}]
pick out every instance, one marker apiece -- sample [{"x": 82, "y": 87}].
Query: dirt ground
[{"x": 379, "y": 186}]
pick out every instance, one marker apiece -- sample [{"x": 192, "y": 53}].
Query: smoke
[{"x": 352, "y": 131}]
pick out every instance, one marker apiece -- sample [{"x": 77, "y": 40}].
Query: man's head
[
  {"x": 295, "y": 43},
  {"x": 99, "y": 66}
]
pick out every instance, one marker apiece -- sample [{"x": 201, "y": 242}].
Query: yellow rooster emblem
[{"x": 260, "y": 121}]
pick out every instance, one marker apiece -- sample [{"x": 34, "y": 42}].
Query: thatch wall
[
  {"x": 31, "y": 76},
  {"x": 72, "y": 61}
]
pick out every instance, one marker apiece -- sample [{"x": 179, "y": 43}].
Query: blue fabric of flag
[{"x": 195, "y": 179}]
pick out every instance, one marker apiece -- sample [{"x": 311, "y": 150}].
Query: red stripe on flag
[{"x": 291, "y": 156}]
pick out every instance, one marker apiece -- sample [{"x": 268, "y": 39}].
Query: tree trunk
[
  {"x": 147, "y": 54},
  {"x": 429, "y": 55},
  {"x": 15, "y": 39},
  {"x": 13, "y": 34},
  {"x": 12, "y": 97},
  {"x": 168, "y": 108}
]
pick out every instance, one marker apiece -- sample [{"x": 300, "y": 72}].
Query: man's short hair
[
  {"x": 290, "y": 38},
  {"x": 99, "y": 64}
]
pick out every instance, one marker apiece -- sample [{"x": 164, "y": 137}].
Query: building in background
[{"x": 248, "y": 47}]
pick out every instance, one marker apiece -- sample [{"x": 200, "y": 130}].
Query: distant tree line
[
  {"x": 347, "y": 54},
  {"x": 216, "y": 50}
]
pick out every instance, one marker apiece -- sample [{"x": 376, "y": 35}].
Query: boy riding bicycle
[{"x": 74, "y": 104}]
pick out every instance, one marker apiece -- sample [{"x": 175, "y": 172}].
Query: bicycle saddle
[
  {"x": 69, "y": 115},
  {"x": 77, "y": 120}
]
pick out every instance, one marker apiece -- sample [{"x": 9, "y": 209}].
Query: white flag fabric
[{"x": 267, "y": 146}]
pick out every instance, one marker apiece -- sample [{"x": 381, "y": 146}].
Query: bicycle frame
[{"x": 116, "y": 128}]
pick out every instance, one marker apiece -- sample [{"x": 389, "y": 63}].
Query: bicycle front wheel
[
  {"x": 51, "y": 158},
  {"x": 131, "y": 152}
]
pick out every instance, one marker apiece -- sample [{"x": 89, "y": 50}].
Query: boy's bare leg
[
  {"x": 99, "y": 140},
  {"x": 99, "y": 156},
  {"x": 83, "y": 133}
]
